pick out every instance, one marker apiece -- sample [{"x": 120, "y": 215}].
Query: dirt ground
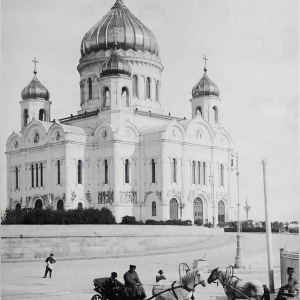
[{"x": 73, "y": 279}]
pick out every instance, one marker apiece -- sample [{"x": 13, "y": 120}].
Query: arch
[
  {"x": 153, "y": 209},
  {"x": 216, "y": 114},
  {"x": 42, "y": 115},
  {"x": 106, "y": 97},
  {"x": 153, "y": 170},
  {"x": 79, "y": 205},
  {"x": 17, "y": 178},
  {"x": 25, "y": 116},
  {"x": 199, "y": 110},
  {"x": 174, "y": 170},
  {"x": 18, "y": 207},
  {"x": 135, "y": 86},
  {"x": 193, "y": 172},
  {"x": 127, "y": 166},
  {"x": 157, "y": 90},
  {"x": 60, "y": 205},
  {"x": 105, "y": 171},
  {"x": 58, "y": 171},
  {"x": 38, "y": 204},
  {"x": 90, "y": 85},
  {"x": 198, "y": 208},
  {"x": 221, "y": 175},
  {"x": 79, "y": 171},
  {"x": 173, "y": 209},
  {"x": 125, "y": 96},
  {"x": 221, "y": 211},
  {"x": 95, "y": 88},
  {"x": 148, "y": 88}
]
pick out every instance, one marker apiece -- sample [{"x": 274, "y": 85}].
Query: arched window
[
  {"x": 36, "y": 175},
  {"x": 127, "y": 171},
  {"x": 79, "y": 206},
  {"x": 199, "y": 110},
  {"x": 148, "y": 87},
  {"x": 79, "y": 166},
  {"x": 153, "y": 170},
  {"x": 18, "y": 206},
  {"x": 204, "y": 173},
  {"x": 153, "y": 209},
  {"x": 135, "y": 86},
  {"x": 32, "y": 175},
  {"x": 25, "y": 117},
  {"x": 106, "y": 97},
  {"x": 60, "y": 204},
  {"x": 105, "y": 171},
  {"x": 222, "y": 175},
  {"x": 216, "y": 114},
  {"x": 156, "y": 90},
  {"x": 42, "y": 115},
  {"x": 221, "y": 211},
  {"x": 198, "y": 209},
  {"x": 17, "y": 178},
  {"x": 173, "y": 209},
  {"x": 125, "y": 97},
  {"x": 58, "y": 171},
  {"x": 42, "y": 174},
  {"x": 38, "y": 204},
  {"x": 194, "y": 172},
  {"x": 199, "y": 172},
  {"x": 174, "y": 165},
  {"x": 90, "y": 88},
  {"x": 82, "y": 93}
]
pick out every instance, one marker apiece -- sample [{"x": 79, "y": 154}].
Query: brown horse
[{"x": 236, "y": 288}]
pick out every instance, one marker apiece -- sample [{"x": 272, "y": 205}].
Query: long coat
[{"x": 131, "y": 278}]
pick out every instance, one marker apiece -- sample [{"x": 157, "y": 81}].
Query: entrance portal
[
  {"x": 173, "y": 209},
  {"x": 38, "y": 204},
  {"x": 198, "y": 209},
  {"x": 221, "y": 211},
  {"x": 60, "y": 205}
]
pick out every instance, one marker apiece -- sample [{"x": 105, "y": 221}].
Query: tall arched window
[
  {"x": 199, "y": 172},
  {"x": 58, "y": 171},
  {"x": 90, "y": 88},
  {"x": 199, "y": 110},
  {"x": 36, "y": 175},
  {"x": 204, "y": 173},
  {"x": 173, "y": 209},
  {"x": 17, "y": 178},
  {"x": 82, "y": 92},
  {"x": 174, "y": 165},
  {"x": 153, "y": 209},
  {"x": 127, "y": 171},
  {"x": 148, "y": 87},
  {"x": 198, "y": 209},
  {"x": 79, "y": 166},
  {"x": 60, "y": 204},
  {"x": 25, "y": 115},
  {"x": 221, "y": 211},
  {"x": 42, "y": 115},
  {"x": 193, "y": 172},
  {"x": 42, "y": 174},
  {"x": 106, "y": 97},
  {"x": 216, "y": 114},
  {"x": 105, "y": 171},
  {"x": 153, "y": 170},
  {"x": 32, "y": 175},
  {"x": 222, "y": 175},
  {"x": 135, "y": 86},
  {"x": 156, "y": 90},
  {"x": 125, "y": 97}
]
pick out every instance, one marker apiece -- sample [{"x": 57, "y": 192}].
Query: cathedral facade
[{"x": 121, "y": 150}]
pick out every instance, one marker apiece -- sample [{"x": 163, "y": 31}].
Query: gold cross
[
  {"x": 35, "y": 62},
  {"x": 205, "y": 59}
]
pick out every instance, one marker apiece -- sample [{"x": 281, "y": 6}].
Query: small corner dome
[
  {"x": 205, "y": 87},
  {"x": 35, "y": 90},
  {"x": 115, "y": 65}
]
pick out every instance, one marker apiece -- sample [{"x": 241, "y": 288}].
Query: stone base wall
[{"x": 38, "y": 241}]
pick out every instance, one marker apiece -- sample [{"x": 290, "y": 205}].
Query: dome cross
[
  {"x": 35, "y": 62},
  {"x": 205, "y": 59},
  {"x": 115, "y": 33}
]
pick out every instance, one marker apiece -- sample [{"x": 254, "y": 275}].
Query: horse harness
[{"x": 172, "y": 289}]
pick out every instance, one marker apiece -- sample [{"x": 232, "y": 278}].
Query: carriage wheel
[{"x": 96, "y": 297}]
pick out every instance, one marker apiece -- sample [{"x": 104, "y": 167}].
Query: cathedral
[{"x": 121, "y": 150}]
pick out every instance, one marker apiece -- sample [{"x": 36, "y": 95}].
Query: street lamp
[{"x": 239, "y": 261}]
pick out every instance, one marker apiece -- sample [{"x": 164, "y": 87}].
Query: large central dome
[{"x": 131, "y": 33}]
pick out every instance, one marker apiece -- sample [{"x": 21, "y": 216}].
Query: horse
[
  {"x": 182, "y": 289},
  {"x": 236, "y": 288}
]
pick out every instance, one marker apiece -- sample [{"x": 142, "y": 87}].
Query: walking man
[{"x": 49, "y": 265}]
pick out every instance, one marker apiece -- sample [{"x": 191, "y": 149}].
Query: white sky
[{"x": 253, "y": 57}]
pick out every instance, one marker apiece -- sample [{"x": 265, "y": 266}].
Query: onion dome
[
  {"x": 205, "y": 87},
  {"x": 115, "y": 65},
  {"x": 35, "y": 90},
  {"x": 131, "y": 33}
]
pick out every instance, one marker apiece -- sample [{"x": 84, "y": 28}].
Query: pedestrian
[
  {"x": 160, "y": 276},
  {"x": 49, "y": 265}
]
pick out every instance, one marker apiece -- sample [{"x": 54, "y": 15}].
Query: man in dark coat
[
  {"x": 50, "y": 261},
  {"x": 133, "y": 284},
  {"x": 112, "y": 287},
  {"x": 293, "y": 283},
  {"x": 160, "y": 276}
]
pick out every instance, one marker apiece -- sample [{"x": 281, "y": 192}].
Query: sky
[{"x": 253, "y": 56}]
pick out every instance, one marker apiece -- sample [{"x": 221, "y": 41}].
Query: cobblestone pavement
[{"x": 73, "y": 279}]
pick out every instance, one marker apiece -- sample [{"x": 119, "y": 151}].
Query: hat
[
  {"x": 290, "y": 269},
  {"x": 114, "y": 274},
  {"x": 132, "y": 267},
  {"x": 51, "y": 254},
  {"x": 160, "y": 272}
]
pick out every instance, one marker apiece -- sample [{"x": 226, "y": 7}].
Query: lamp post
[{"x": 239, "y": 261}]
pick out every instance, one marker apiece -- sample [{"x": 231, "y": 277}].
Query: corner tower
[
  {"x": 35, "y": 101},
  {"x": 206, "y": 100},
  {"x": 136, "y": 44}
]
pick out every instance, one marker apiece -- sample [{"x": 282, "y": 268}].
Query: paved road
[{"x": 73, "y": 279}]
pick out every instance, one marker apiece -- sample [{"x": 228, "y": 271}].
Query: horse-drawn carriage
[{"x": 162, "y": 290}]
